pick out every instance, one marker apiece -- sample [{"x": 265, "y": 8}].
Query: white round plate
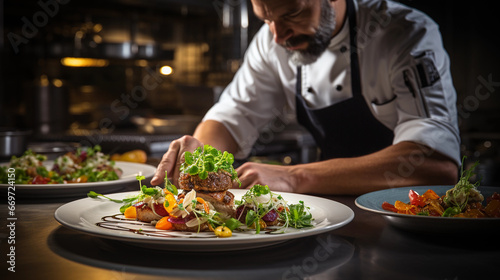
[
  {"x": 372, "y": 202},
  {"x": 84, "y": 214},
  {"x": 130, "y": 171}
]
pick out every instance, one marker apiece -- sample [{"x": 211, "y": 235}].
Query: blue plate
[{"x": 372, "y": 202}]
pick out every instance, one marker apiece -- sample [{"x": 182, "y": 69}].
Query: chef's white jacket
[{"x": 405, "y": 80}]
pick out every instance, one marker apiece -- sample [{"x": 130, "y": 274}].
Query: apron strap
[{"x": 353, "y": 35}]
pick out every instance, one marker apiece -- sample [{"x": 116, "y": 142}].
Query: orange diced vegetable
[
  {"x": 170, "y": 202},
  {"x": 82, "y": 179},
  {"x": 163, "y": 223},
  {"x": 401, "y": 205},
  {"x": 430, "y": 194},
  {"x": 493, "y": 208},
  {"x": 405, "y": 208},
  {"x": 130, "y": 213}
]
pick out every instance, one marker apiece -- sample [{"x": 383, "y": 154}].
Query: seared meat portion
[
  {"x": 150, "y": 210},
  {"x": 224, "y": 197},
  {"x": 215, "y": 182},
  {"x": 183, "y": 227},
  {"x": 146, "y": 214},
  {"x": 223, "y": 202}
]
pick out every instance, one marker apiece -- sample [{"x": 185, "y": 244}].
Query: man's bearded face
[{"x": 318, "y": 42}]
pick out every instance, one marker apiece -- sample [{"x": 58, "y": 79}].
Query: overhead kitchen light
[
  {"x": 166, "y": 70},
  {"x": 84, "y": 62}
]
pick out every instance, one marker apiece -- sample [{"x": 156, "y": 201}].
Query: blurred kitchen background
[{"x": 129, "y": 74}]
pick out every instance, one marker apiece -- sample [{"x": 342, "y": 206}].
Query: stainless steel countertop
[{"x": 367, "y": 248}]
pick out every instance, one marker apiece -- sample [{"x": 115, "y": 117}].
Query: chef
[{"x": 368, "y": 78}]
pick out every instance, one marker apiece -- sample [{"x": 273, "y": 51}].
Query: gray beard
[
  {"x": 299, "y": 58},
  {"x": 319, "y": 41}
]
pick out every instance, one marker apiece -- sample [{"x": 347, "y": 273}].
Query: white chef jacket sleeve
[
  {"x": 426, "y": 98},
  {"x": 249, "y": 102}
]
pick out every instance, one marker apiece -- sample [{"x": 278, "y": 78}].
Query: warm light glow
[
  {"x": 57, "y": 83},
  {"x": 79, "y": 34},
  {"x": 205, "y": 47},
  {"x": 44, "y": 81},
  {"x": 97, "y": 39},
  {"x": 87, "y": 89},
  {"x": 141, "y": 63},
  {"x": 166, "y": 70},
  {"x": 97, "y": 27},
  {"x": 84, "y": 62}
]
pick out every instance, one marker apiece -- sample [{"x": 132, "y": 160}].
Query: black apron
[{"x": 347, "y": 128}]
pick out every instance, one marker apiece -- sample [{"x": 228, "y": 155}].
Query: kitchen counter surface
[{"x": 366, "y": 248}]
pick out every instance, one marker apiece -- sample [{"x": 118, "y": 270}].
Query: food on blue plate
[
  {"x": 79, "y": 166},
  {"x": 463, "y": 200}
]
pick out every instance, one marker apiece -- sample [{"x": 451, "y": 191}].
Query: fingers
[
  {"x": 278, "y": 178},
  {"x": 166, "y": 164},
  {"x": 171, "y": 160},
  {"x": 248, "y": 175}
]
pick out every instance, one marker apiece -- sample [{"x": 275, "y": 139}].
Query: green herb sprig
[
  {"x": 169, "y": 186},
  {"x": 129, "y": 201},
  {"x": 208, "y": 159},
  {"x": 457, "y": 197},
  {"x": 298, "y": 215}
]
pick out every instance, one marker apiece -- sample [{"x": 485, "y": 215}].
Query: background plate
[
  {"x": 444, "y": 225},
  {"x": 130, "y": 171},
  {"x": 83, "y": 214}
]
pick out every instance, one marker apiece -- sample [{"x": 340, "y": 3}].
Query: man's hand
[
  {"x": 171, "y": 160},
  {"x": 277, "y": 177}
]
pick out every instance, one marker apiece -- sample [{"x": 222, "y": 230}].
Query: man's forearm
[
  {"x": 403, "y": 164},
  {"x": 216, "y": 134}
]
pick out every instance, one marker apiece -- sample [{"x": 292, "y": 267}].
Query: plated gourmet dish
[
  {"x": 203, "y": 201},
  {"x": 79, "y": 166},
  {"x": 463, "y": 200}
]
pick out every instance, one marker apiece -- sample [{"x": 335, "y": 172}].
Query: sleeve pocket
[{"x": 385, "y": 111}]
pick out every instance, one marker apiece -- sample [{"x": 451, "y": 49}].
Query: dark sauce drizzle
[{"x": 120, "y": 223}]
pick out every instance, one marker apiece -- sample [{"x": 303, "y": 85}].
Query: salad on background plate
[{"x": 79, "y": 166}]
